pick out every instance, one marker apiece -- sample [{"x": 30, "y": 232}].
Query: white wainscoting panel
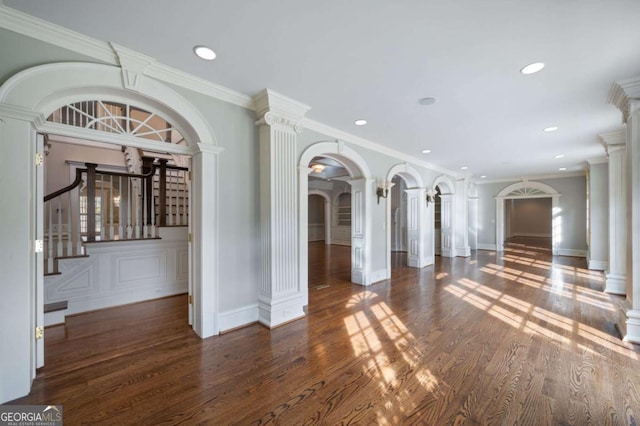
[{"x": 121, "y": 272}]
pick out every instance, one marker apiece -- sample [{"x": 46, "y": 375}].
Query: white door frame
[
  {"x": 523, "y": 190},
  {"x": 418, "y": 253},
  {"x": 361, "y": 196},
  {"x": 447, "y": 216},
  {"x": 27, "y": 99}
]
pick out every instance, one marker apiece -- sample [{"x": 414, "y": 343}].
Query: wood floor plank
[{"x": 518, "y": 337}]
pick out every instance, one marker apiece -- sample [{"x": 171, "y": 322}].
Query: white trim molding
[
  {"x": 572, "y": 252},
  {"x": 522, "y": 190},
  {"x": 483, "y": 246},
  {"x": 236, "y": 318},
  {"x": 598, "y": 265}
]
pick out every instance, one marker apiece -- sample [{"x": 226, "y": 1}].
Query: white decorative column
[
  {"x": 361, "y": 192},
  {"x": 446, "y": 225},
  {"x": 204, "y": 246},
  {"x": 626, "y": 96},
  {"x": 461, "y": 229},
  {"x": 598, "y": 237},
  {"x": 281, "y": 297},
  {"x": 614, "y": 144},
  {"x": 417, "y": 256}
]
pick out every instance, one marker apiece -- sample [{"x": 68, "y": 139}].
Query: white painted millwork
[
  {"x": 529, "y": 189},
  {"x": 419, "y": 229},
  {"x": 361, "y": 222},
  {"x": 615, "y": 282},
  {"x": 461, "y": 229},
  {"x": 120, "y": 272},
  {"x": 626, "y": 96},
  {"x": 281, "y": 294},
  {"x": 598, "y": 227},
  {"x": 447, "y": 215},
  {"x": 26, "y": 99}
]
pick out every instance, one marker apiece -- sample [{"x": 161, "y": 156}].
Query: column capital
[
  {"x": 273, "y": 108},
  {"x": 624, "y": 94},
  {"x": 613, "y": 141}
]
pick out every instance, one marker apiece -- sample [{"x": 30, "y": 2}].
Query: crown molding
[
  {"x": 536, "y": 177},
  {"x": 613, "y": 138},
  {"x": 332, "y": 132},
  {"x": 45, "y": 31},
  {"x": 622, "y": 93}
]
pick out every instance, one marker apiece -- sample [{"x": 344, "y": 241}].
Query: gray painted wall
[
  {"x": 530, "y": 217},
  {"x": 572, "y": 211},
  {"x": 598, "y": 213}
]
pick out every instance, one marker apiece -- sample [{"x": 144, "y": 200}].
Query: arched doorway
[
  {"x": 444, "y": 189},
  {"x": 361, "y": 193},
  {"x": 26, "y": 100},
  {"x": 326, "y": 222},
  {"x": 419, "y": 251},
  {"x": 528, "y": 190}
]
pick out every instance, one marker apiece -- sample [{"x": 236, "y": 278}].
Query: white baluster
[
  {"x": 145, "y": 227},
  {"x": 111, "y": 208},
  {"x": 153, "y": 216},
  {"x": 120, "y": 207},
  {"x": 169, "y": 188},
  {"x": 130, "y": 209},
  {"x": 59, "y": 251},
  {"x": 69, "y": 228},
  {"x": 102, "y": 218},
  {"x": 79, "y": 247},
  {"x": 50, "y": 245},
  {"x": 137, "y": 219}
]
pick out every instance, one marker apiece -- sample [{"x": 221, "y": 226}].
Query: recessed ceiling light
[
  {"x": 483, "y": 177},
  {"x": 532, "y": 68},
  {"x": 427, "y": 101},
  {"x": 551, "y": 129},
  {"x": 463, "y": 168},
  {"x": 426, "y": 151},
  {"x": 204, "y": 52},
  {"x": 562, "y": 169},
  {"x": 559, "y": 156},
  {"x": 360, "y": 122}
]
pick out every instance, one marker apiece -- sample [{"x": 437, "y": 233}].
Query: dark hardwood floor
[{"x": 514, "y": 338}]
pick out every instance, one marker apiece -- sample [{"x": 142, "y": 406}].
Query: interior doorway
[{"x": 528, "y": 221}]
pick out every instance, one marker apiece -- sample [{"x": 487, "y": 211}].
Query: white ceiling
[{"x": 374, "y": 59}]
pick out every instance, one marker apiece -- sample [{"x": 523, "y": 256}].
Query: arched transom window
[{"x": 119, "y": 118}]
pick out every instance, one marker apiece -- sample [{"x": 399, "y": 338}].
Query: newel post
[{"x": 91, "y": 201}]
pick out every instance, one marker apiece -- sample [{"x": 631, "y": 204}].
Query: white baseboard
[
  {"x": 378, "y": 275},
  {"x": 598, "y": 265},
  {"x": 491, "y": 247},
  {"x": 237, "y": 317},
  {"x": 530, "y": 234},
  {"x": 55, "y": 317},
  {"x": 572, "y": 252}
]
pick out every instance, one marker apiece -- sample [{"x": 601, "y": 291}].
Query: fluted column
[
  {"x": 281, "y": 297},
  {"x": 626, "y": 96},
  {"x": 616, "y": 271}
]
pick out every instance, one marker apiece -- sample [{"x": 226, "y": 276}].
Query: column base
[
  {"x": 629, "y": 323},
  {"x": 598, "y": 265},
  {"x": 463, "y": 251},
  {"x": 615, "y": 284},
  {"x": 273, "y": 313}
]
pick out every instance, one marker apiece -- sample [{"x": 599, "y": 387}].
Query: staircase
[{"x": 102, "y": 206}]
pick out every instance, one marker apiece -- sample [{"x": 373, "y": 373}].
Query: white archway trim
[
  {"x": 46, "y": 87},
  {"x": 447, "y": 186},
  {"x": 529, "y": 189},
  {"x": 31, "y": 95},
  {"x": 418, "y": 254},
  {"x": 361, "y": 195},
  {"x": 408, "y": 173},
  {"x": 328, "y": 203}
]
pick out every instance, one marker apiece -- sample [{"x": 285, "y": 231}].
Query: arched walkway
[
  {"x": 26, "y": 100},
  {"x": 447, "y": 208},
  {"x": 419, "y": 251},
  {"x": 362, "y": 190},
  {"x": 528, "y": 189},
  {"x": 327, "y": 214}
]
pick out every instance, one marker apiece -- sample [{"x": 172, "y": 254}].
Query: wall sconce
[
  {"x": 318, "y": 168},
  {"x": 116, "y": 201},
  {"x": 431, "y": 196},
  {"x": 383, "y": 189}
]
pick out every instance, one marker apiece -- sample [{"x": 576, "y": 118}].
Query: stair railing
[{"x": 105, "y": 206}]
